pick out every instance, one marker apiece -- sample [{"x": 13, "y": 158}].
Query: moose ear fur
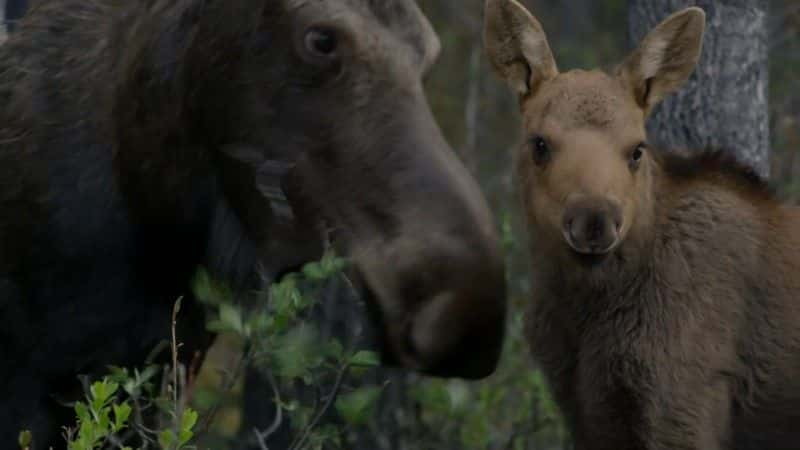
[
  {"x": 150, "y": 89},
  {"x": 666, "y": 57},
  {"x": 517, "y": 46}
]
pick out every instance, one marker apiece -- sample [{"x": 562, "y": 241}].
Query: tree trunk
[
  {"x": 724, "y": 103},
  {"x": 2, "y": 21},
  {"x": 13, "y": 11}
]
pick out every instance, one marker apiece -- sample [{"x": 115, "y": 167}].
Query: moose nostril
[
  {"x": 594, "y": 228},
  {"x": 592, "y": 225},
  {"x": 443, "y": 339},
  {"x": 569, "y": 227}
]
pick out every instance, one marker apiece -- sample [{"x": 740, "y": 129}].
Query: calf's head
[
  {"x": 332, "y": 90},
  {"x": 585, "y": 169}
]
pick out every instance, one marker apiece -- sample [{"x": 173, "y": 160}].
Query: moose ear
[
  {"x": 665, "y": 58},
  {"x": 517, "y": 46}
]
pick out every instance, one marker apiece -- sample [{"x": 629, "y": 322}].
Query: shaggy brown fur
[
  {"x": 692, "y": 342},
  {"x": 684, "y": 332}
]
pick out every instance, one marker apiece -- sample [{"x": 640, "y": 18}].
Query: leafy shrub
[{"x": 284, "y": 344}]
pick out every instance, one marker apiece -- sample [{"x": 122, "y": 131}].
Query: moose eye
[
  {"x": 541, "y": 151},
  {"x": 321, "y": 42},
  {"x": 636, "y": 156}
]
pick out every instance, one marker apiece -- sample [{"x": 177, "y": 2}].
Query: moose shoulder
[
  {"x": 667, "y": 301},
  {"x": 141, "y": 139}
]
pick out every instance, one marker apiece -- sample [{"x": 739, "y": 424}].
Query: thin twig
[
  {"x": 138, "y": 424},
  {"x": 262, "y": 437},
  {"x": 175, "y": 309},
  {"x": 328, "y": 403},
  {"x": 189, "y": 384}
]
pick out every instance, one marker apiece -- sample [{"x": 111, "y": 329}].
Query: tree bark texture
[
  {"x": 13, "y": 10},
  {"x": 724, "y": 105},
  {"x": 2, "y": 21}
]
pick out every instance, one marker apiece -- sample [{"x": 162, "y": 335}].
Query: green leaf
[
  {"x": 313, "y": 271},
  {"x": 365, "y": 359},
  {"x": 357, "y": 407},
  {"x": 297, "y": 352},
  {"x": 189, "y": 419},
  {"x": 216, "y": 326},
  {"x": 231, "y": 317},
  {"x": 166, "y": 439},
  {"x": 201, "y": 286},
  {"x": 141, "y": 379},
  {"x": 434, "y": 397},
  {"x": 104, "y": 421},
  {"x": 118, "y": 374},
  {"x": 82, "y": 411},
  {"x": 25, "y": 439},
  {"x": 121, "y": 414},
  {"x": 209, "y": 291},
  {"x": 185, "y": 436},
  {"x": 260, "y": 323},
  {"x": 207, "y": 397},
  {"x": 331, "y": 264},
  {"x": 335, "y": 350},
  {"x": 325, "y": 437},
  {"x": 101, "y": 392}
]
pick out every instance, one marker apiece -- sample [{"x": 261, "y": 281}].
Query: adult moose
[
  {"x": 141, "y": 139},
  {"x": 666, "y": 311}
]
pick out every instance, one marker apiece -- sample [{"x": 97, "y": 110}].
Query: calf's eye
[
  {"x": 540, "y": 149},
  {"x": 636, "y": 156}
]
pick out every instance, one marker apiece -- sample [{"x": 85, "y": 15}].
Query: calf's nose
[{"x": 591, "y": 226}]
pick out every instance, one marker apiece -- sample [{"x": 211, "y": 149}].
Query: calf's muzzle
[{"x": 591, "y": 225}]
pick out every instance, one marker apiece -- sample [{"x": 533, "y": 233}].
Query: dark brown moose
[
  {"x": 142, "y": 139},
  {"x": 666, "y": 312}
]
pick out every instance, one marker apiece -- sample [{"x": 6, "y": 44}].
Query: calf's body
[
  {"x": 693, "y": 343},
  {"x": 666, "y": 306}
]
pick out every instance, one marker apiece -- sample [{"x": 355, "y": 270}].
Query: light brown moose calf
[{"x": 667, "y": 289}]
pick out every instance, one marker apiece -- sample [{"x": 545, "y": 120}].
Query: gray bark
[
  {"x": 724, "y": 104},
  {"x": 2, "y": 21},
  {"x": 472, "y": 107}
]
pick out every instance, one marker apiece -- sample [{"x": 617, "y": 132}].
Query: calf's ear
[
  {"x": 665, "y": 58},
  {"x": 517, "y": 46}
]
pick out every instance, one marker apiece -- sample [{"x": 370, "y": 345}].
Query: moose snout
[
  {"x": 456, "y": 326},
  {"x": 437, "y": 271},
  {"x": 460, "y": 333},
  {"x": 591, "y": 226}
]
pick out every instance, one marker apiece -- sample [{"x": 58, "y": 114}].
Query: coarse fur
[
  {"x": 142, "y": 139},
  {"x": 689, "y": 343},
  {"x": 682, "y": 334}
]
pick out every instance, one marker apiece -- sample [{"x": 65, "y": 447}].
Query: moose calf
[{"x": 667, "y": 303}]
